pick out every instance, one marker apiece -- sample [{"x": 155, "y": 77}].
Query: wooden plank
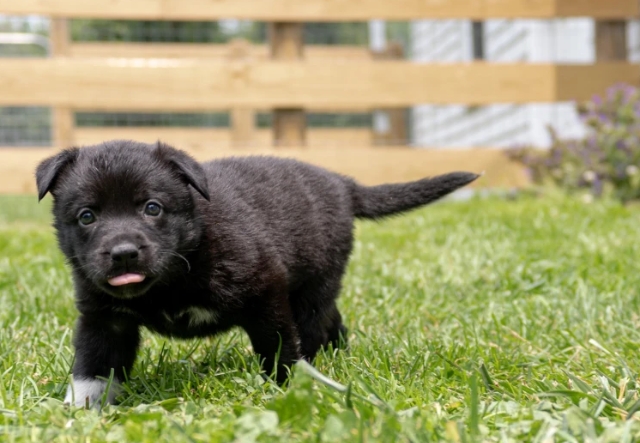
[
  {"x": 60, "y": 37},
  {"x": 200, "y": 50},
  {"x": 600, "y": 9},
  {"x": 183, "y": 85},
  {"x": 581, "y": 82},
  {"x": 214, "y": 138},
  {"x": 243, "y": 118},
  {"x": 243, "y": 122},
  {"x": 321, "y": 10},
  {"x": 286, "y": 43},
  {"x": 611, "y": 40},
  {"x": 63, "y": 126},
  {"x": 163, "y": 84},
  {"x": 397, "y": 133},
  {"x": 63, "y": 116},
  {"x": 289, "y": 127},
  {"x": 369, "y": 166}
]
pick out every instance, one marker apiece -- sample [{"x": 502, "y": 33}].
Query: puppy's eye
[
  {"x": 153, "y": 209},
  {"x": 86, "y": 217}
]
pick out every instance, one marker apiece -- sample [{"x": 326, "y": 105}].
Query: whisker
[{"x": 163, "y": 251}]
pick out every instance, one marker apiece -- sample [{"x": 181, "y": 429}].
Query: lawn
[{"x": 487, "y": 320}]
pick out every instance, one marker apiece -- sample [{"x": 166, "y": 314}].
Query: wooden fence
[
  {"x": 290, "y": 79},
  {"x": 322, "y": 10},
  {"x": 191, "y": 58}
]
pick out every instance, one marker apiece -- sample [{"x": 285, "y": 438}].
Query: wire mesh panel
[
  {"x": 24, "y": 126},
  {"x": 168, "y": 119},
  {"x": 166, "y": 31},
  {"x": 324, "y": 120}
]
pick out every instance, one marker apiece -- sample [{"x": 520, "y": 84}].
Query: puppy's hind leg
[
  {"x": 273, "y": 334},
  {"x": 337, "y": 332},
  {"x": 317, "y": 317}
]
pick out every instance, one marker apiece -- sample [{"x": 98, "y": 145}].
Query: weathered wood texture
[
  {"x": 369, "y": 166},
  {"x": 611, "y": 40},
  {"x": 286, "y": 43},
  {"x": 321, "y": 10},
  {"x": 398, "y": 131},
  {"x": 63, "y": 116},
  {"x": 238, "y": 49},
  {"x": 581, "y": 82},
  {"x": 173, "y": 84},
  {"x": 219, "y": 138}
]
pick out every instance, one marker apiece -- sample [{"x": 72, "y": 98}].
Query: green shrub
[{"x": 606, "y": 161}]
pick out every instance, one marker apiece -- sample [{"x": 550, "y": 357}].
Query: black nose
[{"x": 124, "y": 253}]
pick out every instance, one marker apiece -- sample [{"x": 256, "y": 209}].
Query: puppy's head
[{"x": 124, "y": 213}]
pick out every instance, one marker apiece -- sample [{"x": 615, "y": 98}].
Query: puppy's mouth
[
  {"x": 127, "y": 284},
  {"x": 129, "y": 278}
]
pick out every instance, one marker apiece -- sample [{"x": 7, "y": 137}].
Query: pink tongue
[{"x": 126, "y": 279}]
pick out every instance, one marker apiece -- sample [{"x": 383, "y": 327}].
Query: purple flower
[
  {"x": 601, "y": 160},
  {"x": 598, "y": 186},
  {"x": 596, "y": 100}
]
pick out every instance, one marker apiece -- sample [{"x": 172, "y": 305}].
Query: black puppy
[{"x": 261, "y": 243}]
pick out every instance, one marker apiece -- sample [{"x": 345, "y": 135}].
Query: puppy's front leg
[{"x": 102, "y": 344}]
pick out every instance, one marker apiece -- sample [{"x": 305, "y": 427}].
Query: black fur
[{"x": 259, "y": 242}]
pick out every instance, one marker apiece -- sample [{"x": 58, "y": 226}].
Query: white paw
[{"x": 90, "y": 391}]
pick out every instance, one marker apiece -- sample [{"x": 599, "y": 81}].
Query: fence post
[
  {"x": 242, "y": 117},
  {"x": 396, "y": 132},
  {"x": 63, "y": 117},
  {"x": 287, "y": 43},
  {"x": 611, "y": 40}
]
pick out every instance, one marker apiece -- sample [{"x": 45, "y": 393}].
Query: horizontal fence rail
[
  {"x": 369, "y": 166},
  {"x": 239, "y": 49},
  {"x": 214, "y": 138},
  {"x": 322, "y": 10},
  {"x": 189, "y": 85}
]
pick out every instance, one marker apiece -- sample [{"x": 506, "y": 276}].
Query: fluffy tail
[{"x": 379, "y": 201}]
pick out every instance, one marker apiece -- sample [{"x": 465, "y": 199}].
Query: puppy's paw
[{"x": 90, "y": 392}]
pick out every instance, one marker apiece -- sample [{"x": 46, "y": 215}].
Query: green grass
[{"x": 481, "y": 321}]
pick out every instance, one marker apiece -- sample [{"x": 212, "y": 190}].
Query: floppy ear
[
  {"x": 190, "y": 170},
  {"x": 49, "y": 170}
]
